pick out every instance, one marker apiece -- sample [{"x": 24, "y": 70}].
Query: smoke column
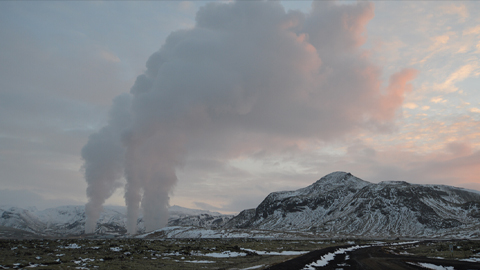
[
  {"x": 104, "y": 158},
  {"x": 247, "y": 73}
]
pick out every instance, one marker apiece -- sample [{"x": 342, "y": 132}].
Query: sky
[{"x": 254, "y": 97}]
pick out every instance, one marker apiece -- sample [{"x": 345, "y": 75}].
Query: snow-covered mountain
[
  {"x": 70, "y": 220},
  {"x": 339, "y": 204},
  {"x": 342, "y": 204}
]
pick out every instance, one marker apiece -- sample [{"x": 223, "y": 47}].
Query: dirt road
[{"x": 371, "y": 258}]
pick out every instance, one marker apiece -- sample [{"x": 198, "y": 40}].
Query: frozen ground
[{"x": 239, "y": 253}]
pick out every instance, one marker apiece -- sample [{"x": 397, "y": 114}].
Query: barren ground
[{"x": 226, "y": 254}]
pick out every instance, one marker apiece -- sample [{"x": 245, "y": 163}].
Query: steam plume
[
  {"x": 247, "y": 72},
  {"x": 104, "y": 158}
]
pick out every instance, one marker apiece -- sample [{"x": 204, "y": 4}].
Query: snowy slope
[
  {"x": 60, "y": 221},
  {"x": 342, "y": 204},
  {"x": 70, "y": 220},
  {"x": 196, "y": 232},
  {"x": 176, "y": 211},
  {"x": 241, "y": 220},
  {"x": 339, "y": 204}
]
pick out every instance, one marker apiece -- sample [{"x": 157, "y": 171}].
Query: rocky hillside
[{"x": 342, "y": 204}]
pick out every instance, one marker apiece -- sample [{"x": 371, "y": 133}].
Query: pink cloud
[
  {"x": 456, "y": 164},
  {"x": 399, "y": 85}
]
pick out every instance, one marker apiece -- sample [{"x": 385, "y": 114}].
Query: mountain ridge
[
  {"x": 337, "y": 205},
  {"x": 340, "y": 203},
  {"x": 70, "y": 220}
]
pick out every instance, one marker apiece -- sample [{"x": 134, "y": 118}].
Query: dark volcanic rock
[{"x": 342, "y": 204}]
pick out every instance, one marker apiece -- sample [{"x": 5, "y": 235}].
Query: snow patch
[
  {"x": 253, "y": 267},
  {"x": 225, "y": 254},
  {"x": 72, "y": 246},
  {"x": 432, "y": 266},
  {"x": 325, "y": 259},
  {"x": 200, "y": 261},
  {"x": 473, "y": 259},
  {"x": 281, "y": 253}
]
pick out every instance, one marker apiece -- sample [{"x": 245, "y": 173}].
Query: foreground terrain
[
  {"x": 393, "y": 256},
  {"x": 129, "y": 253}
]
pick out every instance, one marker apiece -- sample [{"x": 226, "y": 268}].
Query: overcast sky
[{"x": 389, "y": 92}]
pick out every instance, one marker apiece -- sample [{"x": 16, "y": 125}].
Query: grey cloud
[
  {"x": 27, "y": 198},
  {"x": 55, "y": 87},
  {"x": 50, "y": 100},
  {"x": 77, "y": 73},
  {"x": 206, "y": 206},
  {"x": 456, "y": 164},
  {"x": 40, "y": 138},
  {"x": 249, "y": 78}
]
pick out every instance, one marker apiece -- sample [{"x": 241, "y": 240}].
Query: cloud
[
  {"x": 249, "y": 79},
  {"x": 78, "y": 73},
  {"x": 459, "y": 75},
  {"x": 474, "y": 110},
  {"x": 459, "y": 148},
  {"x": 186, "y": 5},
  {"x": 40, "y": 138},
  {"x": 27, "y": 198},
  {"x": 109, "y": 56},
  {"x": 475, "y": 30},
  {"x": 460, "y": 10},
  {"x": 456, "y": 163},
  {"x": 441, "y": 39},
  {"x": 398, "y": 87},
  {"x": 206, "y": 206},
  {"x": 438, "y": 100},
  {"x": 423, "y": 138},
  {"x": 410, "y": 105}
]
